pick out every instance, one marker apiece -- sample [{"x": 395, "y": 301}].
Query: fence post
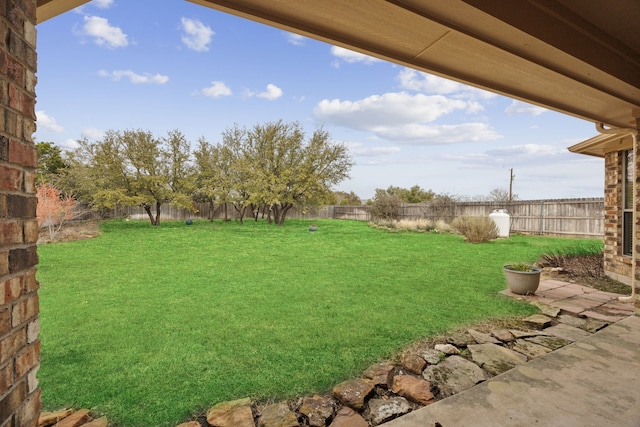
[{"x": 542, "y": 218}]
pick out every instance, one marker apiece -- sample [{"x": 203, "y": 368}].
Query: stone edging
[{"x": 388, "y": 390}]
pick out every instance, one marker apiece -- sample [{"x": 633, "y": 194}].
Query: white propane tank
[{"x": 502, "y": 221}]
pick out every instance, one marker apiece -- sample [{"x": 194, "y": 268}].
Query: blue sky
[{"x": 130, "y": 64}]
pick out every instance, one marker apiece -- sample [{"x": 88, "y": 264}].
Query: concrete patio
[{"x": 591, "y": 382}]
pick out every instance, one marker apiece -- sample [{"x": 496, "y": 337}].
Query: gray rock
[
  {"x": 382, "y": 410},
  {"x": 454, "y": 375},
  {"x": 495, "y": 359},
  {"x": 503, "y": 335},
  {"x": 432, "y": 356},
  {"x": 446, "y": 349},
  {"x": 460, "y": 339},
  {"x": 482, "y": 338}
]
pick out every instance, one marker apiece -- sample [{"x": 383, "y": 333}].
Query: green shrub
[
  {"x": 521, "y": 266},
  {"x": 386, "y": 207},
  {"x": 475, "y": 229}
]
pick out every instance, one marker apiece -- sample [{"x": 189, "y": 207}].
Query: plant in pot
[{"x": 522, "y": 278}]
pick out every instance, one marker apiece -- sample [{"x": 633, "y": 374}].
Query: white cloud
[
  {"x": 47, "y": 122},
  {"x": 133, "y": 77},
  {"x": 103, "y": 33},
  {"x": 519, "y": 107},
  {"x": 351, "y": 57},
  {"x": 217, "y": 89},
  {"x": 102, "y": 4},
  {"x": 197, "y": 35},
  {"x": 92, "y": 133},
  {"x": 68, "y": 144},
  {"x": 428, "y": 83},
  {"x": 420, "y": 134},
  {"x": 515, "y": 155},
  {"x": 390, "y": 109},
  {"x": 296, "y": 39},
  {"x": 405, "y": 118},
  {"x": 360, "y": 150},
  {"x": 272, "y": 92}
]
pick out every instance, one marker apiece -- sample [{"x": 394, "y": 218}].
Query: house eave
[{"x": 602, "y": 144}]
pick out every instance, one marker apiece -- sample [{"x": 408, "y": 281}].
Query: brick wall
[
  {"x": 616, "y": 265},
  {"x": 19, "y": 321}
]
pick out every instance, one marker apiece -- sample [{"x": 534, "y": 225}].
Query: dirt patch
[
  {"x": 71, "y": 231},
  {"x": 586, "y": 270}
]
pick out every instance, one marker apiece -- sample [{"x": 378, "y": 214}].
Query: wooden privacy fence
[
  {"x": 564, "y": 217},
  {"x": 560, "y": 217}
]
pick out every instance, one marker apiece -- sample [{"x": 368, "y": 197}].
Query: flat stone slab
[
  {"x": 576, "y": 322},
  {"x": 538, "y": 321},
  {"x": 482, "y": 338},
  {"x": 551, "y": 342},
  {"x": 546, "y": 309},
  {"x": 503, "y": 335},
  {"x": 567, "y": 332},
  {"x": 494, "y": 358},
  {"x": 593, "y": 325},
  {"x": 454, "y": 375},
  {"x": 603, "y": 317},
  {"x": 517, "y": 333},
  {"x": 530, "y": 349}
]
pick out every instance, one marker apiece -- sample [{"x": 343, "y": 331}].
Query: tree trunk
[
  {"x": 212, "y": 210},
  {"x": 255, "y": 211},
  {"x": 282, "y": 213},
  {"x": 226, "y": 216},
  {"x": 147, "y": 209},
  {"x": 241, "y": 211},
  {"x": 154, "y": 221},
  {"x": 157, "y": 213}
]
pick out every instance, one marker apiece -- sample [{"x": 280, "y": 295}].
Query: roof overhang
[
  {"x": 47, "y": 9},
  {"x": 575, "y": 56},
  {"x": 580, "y": 57},
  {"x": 602, "y": 144}
]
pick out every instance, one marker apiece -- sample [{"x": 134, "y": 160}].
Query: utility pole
[{"x": 511, "y": 184}]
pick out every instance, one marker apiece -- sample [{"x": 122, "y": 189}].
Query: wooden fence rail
[{"x": 559, "y": 217}]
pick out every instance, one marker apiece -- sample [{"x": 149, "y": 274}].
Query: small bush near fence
[
  {"x": 420, "y": 224},
  {"x": 475, "y": 229},
  {"x": 386, "y": 207}
]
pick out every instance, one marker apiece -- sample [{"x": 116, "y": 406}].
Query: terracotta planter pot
[{"x": 522, "y": 282}]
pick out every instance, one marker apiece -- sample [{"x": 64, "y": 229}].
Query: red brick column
[
  {"x": 616, "y": 265},
  {"x": 19, "y": 321}
]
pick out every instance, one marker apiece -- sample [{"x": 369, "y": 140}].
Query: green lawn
[{"x": 152, "y": 325}]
